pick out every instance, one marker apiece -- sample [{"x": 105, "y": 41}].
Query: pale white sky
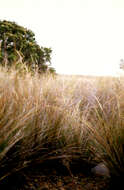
[{"x": 86, "y": 36}]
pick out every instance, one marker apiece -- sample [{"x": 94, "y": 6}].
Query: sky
[{"x": 86, "y": 36}]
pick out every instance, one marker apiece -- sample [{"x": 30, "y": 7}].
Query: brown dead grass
[{"x": 58, "y": 117}]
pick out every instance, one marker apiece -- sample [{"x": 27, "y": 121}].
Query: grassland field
[{"x": 61, "y": 118}]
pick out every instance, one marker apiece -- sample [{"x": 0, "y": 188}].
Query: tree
[
  {"x": 18, "y": 44},
  {"x": 122, "y": 64}
]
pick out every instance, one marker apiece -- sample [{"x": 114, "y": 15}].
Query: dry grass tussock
[{"x": 57, "y": 117}]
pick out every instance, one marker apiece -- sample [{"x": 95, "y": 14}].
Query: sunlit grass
[{"x": 58, "y": 117}]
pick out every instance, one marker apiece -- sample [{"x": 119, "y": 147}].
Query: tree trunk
[{"x": 5, "y": 60}]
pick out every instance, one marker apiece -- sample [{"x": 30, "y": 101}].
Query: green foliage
[{"x": 17, "y": 44}]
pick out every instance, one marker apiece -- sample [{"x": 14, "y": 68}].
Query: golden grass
[{"x": 59, "y": 117}]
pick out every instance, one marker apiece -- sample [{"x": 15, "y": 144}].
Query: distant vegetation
[
  {"x": 122, "y": 64},
  {"x": 18, "y": 45}
]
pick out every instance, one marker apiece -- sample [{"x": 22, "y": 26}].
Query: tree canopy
[
  {"x": 122, "y": 64},
  {"x": 18, "y": 44}
]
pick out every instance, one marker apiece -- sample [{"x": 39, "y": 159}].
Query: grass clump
[
  {"x": 37, "y": 122},
  {"x": 106, "y": 124},
  {"x": 60, "y": 118}
]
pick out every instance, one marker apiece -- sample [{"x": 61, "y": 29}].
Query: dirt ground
[
  {"x": 55, "y": 178},
  {"x": 80, "y": 182}
]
